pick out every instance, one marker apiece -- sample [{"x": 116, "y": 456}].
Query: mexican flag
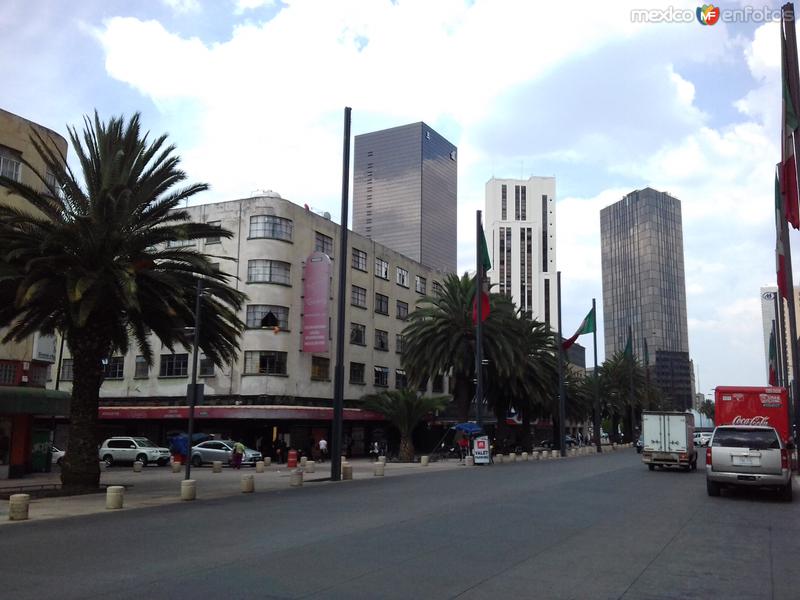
[
  {"x": 586, "y": 326},
  {"x": 486, "y": 264}
]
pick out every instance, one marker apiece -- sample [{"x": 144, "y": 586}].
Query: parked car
[
  {"x": 748, "y": 455},
  {"x": 570, "y": 441},
  {"x": 130, "y": 449},
  {"x": 58, "y": 455},
  {"x": 701, "y": 438},
  {"x": 222, "y": 450}
]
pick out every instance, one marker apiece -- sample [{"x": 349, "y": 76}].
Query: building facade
[
  {"x": 769, "y": 312},
  {"x": 404, "y": 193},
  {"x": 25, "y": 366},
  {"x": 275, "y": 388},
  {"x": 644, "y": 289},
  {"x": 520, "y": 226}
]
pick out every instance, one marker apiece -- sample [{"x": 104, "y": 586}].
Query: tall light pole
[{"x": 192, "y": 392}]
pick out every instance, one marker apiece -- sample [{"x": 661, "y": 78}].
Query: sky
[{"x": 252, "y": 94}]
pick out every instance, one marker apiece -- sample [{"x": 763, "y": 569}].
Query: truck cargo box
[{"x": 753, "y": 406}]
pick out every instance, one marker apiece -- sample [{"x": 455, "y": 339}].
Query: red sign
[
  {"x": 753, "y": 406},
  {"x": 316, "y": 302}
]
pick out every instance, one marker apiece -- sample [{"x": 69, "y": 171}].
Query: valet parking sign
[{"x": 480, "y": 450}]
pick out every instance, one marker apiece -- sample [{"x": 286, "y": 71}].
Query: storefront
[{"x": 24, "y": 446}]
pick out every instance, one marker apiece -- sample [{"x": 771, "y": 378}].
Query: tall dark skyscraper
[
  {"x": 404, "y": 193},
  {"x": 644, "y": 287}
]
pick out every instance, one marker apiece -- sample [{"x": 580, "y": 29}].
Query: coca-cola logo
[{"x": 758, "y": 420}]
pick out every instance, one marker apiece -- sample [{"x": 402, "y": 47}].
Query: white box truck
[{"x": 668, "y": 440}]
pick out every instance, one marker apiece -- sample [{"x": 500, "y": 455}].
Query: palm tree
[
  {"x": 440, "y": 338},
  {"x": 108, "y": 258},
  {"x": 405, "y": 409},
  {"x": 622, "y": 382}
]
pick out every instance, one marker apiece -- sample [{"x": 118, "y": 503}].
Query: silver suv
[
  {"x": 131, "y": 449},
  {"x": 740, "y": 455}
]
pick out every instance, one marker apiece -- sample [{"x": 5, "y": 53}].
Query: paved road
[{"x": 593, "y": 527}]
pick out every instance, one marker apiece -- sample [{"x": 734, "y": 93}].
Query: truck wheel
[
  {"x": 651, "y": 467},
  {"x": 712, "y": 488}
]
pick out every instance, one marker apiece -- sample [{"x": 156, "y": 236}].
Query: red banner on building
[{"x": 316, "y": 302}]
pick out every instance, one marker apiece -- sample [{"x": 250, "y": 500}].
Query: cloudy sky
[{"x": 252, "y": 93}]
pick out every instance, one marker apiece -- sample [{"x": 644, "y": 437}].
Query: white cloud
[
  {"x": 183, "y": 6},
  {"x": 245, "y": 5}
]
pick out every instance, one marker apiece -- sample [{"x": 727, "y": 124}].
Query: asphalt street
[{"x": 593, "y": 527}]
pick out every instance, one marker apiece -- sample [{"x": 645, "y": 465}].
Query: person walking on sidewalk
[
  {"x": 323, "y": 449},
  {"x": 238, "y": 453}
]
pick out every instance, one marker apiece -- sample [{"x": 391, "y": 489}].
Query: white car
[
  {"x": 701, "y": 438},
  {"x": 58, "y": 455},
  {"x": 131, "y": 449}
]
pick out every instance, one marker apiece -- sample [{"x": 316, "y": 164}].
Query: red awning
[{"x": 311, "y": 413}]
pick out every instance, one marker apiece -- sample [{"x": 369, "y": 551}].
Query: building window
[
  {"x": 381, "y": 304},
  {"x": 358, "y": 297},
  {"x": 402, "y": 277},
  {"x": 402, "y": 310},
  {"x": 174, "y": 365},
  {"x": 323, "y": 243},
  {"x": 400, "y": 379},
  {"x": 401, "y": 343},
  {"x": 115, "y": 368},
  {"x": 264, "y": 362},
  {"x": 357, "y": 373},
  {"x": 359, "y": 260},
  {"x": 268, "y": 271},
  {"x": 38, "y": 374},
  {"x": 142, "y": 369},
  {"x": 10, "y": 165},
  {"x": 516, "y": 203},
  {"x": 214, "y": 239},
  {"x": 206, "y": 367},
  {"x": 503, "y": 202},
  {"x": 381, "y": 340},
  {"x": 320, "y": 368},
  {"x": 272, "y": 227},
  {"x": 381, "y": 268},
  {"x": 423, "y": 386},
  {"x": 524, "y": 203},
  {"x": 437, "y": 288},
  {"x": 258, "y": 313},
  {"x": 381, "y": 377},
  {"x": 66, "y": 369},
  {"x": 438, "y": 384},
  {"x": 421, "y": 285},
  {"x": 179, "y": 243},
  {"x": 50, "y": 180},
  {"x": 358, "y": 334}
]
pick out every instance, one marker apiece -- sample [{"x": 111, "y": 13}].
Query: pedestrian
[
  {"x": 323, "y": 449},
  {"x": 375, "y": 451},
  {"x": 463, "y": 447},
  {"x": 238, "y": 454}
]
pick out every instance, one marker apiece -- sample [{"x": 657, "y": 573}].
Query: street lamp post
[{"x": 192, "y": 395}]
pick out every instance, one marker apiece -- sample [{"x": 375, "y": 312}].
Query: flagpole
[
  {"x": 561, "y": 409},
  {"x": 597, "y": 439},
  {"x": 479, "y": 322},
  {"x": 780, "y": 344}
]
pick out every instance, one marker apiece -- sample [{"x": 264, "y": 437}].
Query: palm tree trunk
[
  {"x": 406, "y": 448},
  {"x": 526, "y": 441},
  {"x": 81, "y": 468},
  {"x": 614, "y": 436},
  {"x": 462, "y": 394}
]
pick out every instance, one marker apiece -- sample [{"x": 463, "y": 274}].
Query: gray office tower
[
  {"x": 404, "y": 193},
  {"x": 644, "y": 288}
]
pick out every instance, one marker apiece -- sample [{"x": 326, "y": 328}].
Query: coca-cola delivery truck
[{"x": 753, "y": 406}]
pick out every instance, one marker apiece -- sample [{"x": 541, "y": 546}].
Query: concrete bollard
[
  {"x": 18, "y": 507},
  {"x": 498, "y": 459},
  {"x": 216, "y": 466},
  {"x": 303, "y": 461},
  {"x": 555, "y": 453},
  {"x": 259, "y": 466},
  {"x": 267, "y": 461},
  {"x": 176, "y": 467},
  {"x": 188, "y": 489},
  {"x": 296, "y": 478},
  {"x": 382, "y": 459},
  {"x": 423, "y": 460},
  {"x": 347, "y": 471},
  {"x": 379, "y": 469},
  {"x": 137, "y": 467},
  {"x": 469, "y": 460},
  {"x": 512, "y": 457},
  {"x": 115, "y": 495},
  {"x": 248, "y": 484},
  {"x": 526, "y": 457},
  {"x": 310, "y": 466}
]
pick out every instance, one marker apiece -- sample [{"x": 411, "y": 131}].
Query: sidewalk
[{"x": 158, "y": 486}]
